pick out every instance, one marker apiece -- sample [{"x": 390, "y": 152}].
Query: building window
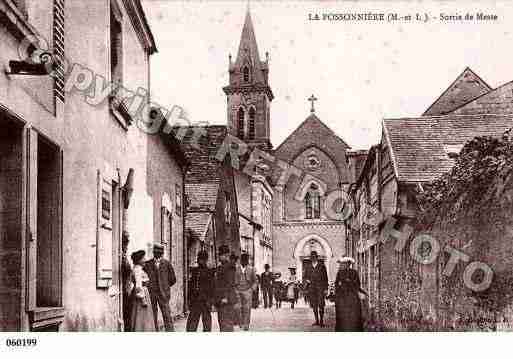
[
  {"x": 166, "y": 237},
  {"x": 240, "y": 123},
  {"x": 178, "y": 201},
  {"x": 252, "y": 114},
  {"x": 313, "y": 203},
  {"x": 308, "y": 206},
  {"x": 105, "y": 204},
  {"x": 227, "y": 208},
  {"x": 245, "y": 72},
  {"x": 116, "y": 45}
]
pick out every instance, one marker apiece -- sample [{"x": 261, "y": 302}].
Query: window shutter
[
  {"x": 58, "y": 48},
  {"x": 104, "y": 249}
]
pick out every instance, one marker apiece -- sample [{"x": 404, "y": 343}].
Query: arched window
[
  {"x": 313, "y": 203},
  {"x": 317, "y": 205},
  {"x": 308, "y": 206},
  {"x": 252, "y": 114},
  {"x": 240, "y": 123},
  {"x": 245, "y": 72}
]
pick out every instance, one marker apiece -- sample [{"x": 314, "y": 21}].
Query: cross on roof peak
[{"x": 312, "y": 99}]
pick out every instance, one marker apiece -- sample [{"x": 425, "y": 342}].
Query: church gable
[
  {"x": 467, "y": 87},
  {"x": 314, "y": 134},
  {"x": 317, "y": 163}
]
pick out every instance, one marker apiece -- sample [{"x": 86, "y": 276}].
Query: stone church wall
[{"x": 287, "y": 236}]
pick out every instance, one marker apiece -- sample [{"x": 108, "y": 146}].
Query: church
[{"x": 298, "y": 226}]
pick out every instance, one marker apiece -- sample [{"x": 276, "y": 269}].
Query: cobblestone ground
[{"x": 299, "y": 319}]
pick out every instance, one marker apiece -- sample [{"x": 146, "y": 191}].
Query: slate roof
[
  {"x": 418, "y": 145},
  {"x": 196, "y": 224},
  {"x": 201, "y": 196},
  {"x": 467, "y": 87},
  {"x": 315, "y": 128},
  {"x": 203, "y": 165}
]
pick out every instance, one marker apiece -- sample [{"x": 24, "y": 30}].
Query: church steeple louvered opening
[{"x": 248, "y": 92}]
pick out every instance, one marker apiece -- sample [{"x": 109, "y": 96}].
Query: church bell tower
[{"x": 249, "y": 94}]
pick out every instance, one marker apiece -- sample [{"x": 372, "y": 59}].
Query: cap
[{"x": 158, "y": 246}]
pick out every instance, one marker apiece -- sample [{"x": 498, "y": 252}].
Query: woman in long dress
[
  {"x": 142, "y": 313},
  {"x": 291, "y": 286},
  {"x": 347, "y": 300}
]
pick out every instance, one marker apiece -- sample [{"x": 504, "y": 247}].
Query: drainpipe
[{"x": 184, "y": 245}]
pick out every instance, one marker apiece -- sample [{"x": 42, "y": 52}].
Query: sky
[{"x": 361, "y": 72}]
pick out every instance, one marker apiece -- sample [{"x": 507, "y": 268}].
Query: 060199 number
[{"x": 20, "y": 343}]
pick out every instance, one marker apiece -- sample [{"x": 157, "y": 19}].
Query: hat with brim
[
  {"x": 345, "y": 260},
  {"x": 138, "y": 255},
  {"x": 158, "y": 247}
]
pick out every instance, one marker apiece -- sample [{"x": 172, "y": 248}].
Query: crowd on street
[{"x": 233, "y": 289}]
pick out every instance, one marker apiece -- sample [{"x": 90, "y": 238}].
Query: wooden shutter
[
  {"x": 32, "y": 144},
  {"x": 58, "y": 48},
  {"x": 104, "y": 236}
]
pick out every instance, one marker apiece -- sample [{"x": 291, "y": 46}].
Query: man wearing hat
[
  {"x": 225, "y": 294},
  {"x": 246, "y": 284},
  {"x": 266, "y": 283},
  {"x": 316, "y": 279},
  {"x": 162, "y": 278},
  {"x": 201, "y": 293}
]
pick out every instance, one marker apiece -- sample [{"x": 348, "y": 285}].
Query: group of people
[
  {"x": 146, "y": 289},
  {"x": 231, "y": 288},
  {"x": 347, "y": 297}
]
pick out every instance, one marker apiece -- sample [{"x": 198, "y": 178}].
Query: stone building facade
[
  {"x": 300, "y": 221},
  {"x": 414, "y": 152},
  {"x": 71, "y": 161},
  {"x": 286, "y": 227}
]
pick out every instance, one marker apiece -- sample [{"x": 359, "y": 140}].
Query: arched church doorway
[{"x": 305, "y": 247}]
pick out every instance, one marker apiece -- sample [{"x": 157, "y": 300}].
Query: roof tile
[{"x": 419, "y": 144}]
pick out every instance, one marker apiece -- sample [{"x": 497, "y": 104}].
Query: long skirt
[
  {"x": 291, "y": 292},
  {"x": 142, "y": 313},
  {"x": 348, "y": 313}
]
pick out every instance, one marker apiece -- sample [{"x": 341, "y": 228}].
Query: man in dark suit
[
  {"x": 266, "y": 284},
  {"x": 225, "y": 294},
  {"x": 201, "y": 294},
  {"x": 162, "y": 278},
  {"x": 316, "y": 280}
]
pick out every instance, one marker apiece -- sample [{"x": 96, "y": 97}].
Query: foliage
[
  {"x": 471, "y": 183},
  {"x": 477, "y": 191}
]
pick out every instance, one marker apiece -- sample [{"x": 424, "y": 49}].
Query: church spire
[
  {"x": 248, "y": 44},
  {"x": 249, "y": 94},
  {"x": 248, "y": 55}
]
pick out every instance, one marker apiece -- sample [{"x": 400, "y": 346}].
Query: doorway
[{"x": 11, "y": 249}]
